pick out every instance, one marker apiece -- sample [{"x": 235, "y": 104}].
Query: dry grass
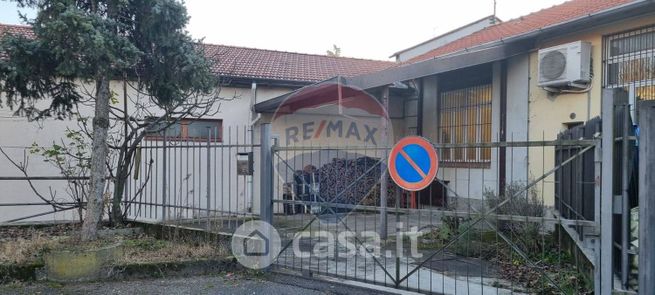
[
  {"x": 19, "y": 246},
  {"x": 24, "y": 251},
  {"x": 147, "y": 249}
]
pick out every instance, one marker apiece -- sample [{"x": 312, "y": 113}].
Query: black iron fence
[
  {"x": 575, "y": 183},
  {"x": 206, "y": 184}
]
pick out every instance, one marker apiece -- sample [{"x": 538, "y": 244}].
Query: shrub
[
  {"x": 519, "y": 202},
  {"x": 522, "y": 201}
]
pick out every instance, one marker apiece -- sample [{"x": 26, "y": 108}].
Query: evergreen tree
[{"x": 96, "y": 41}]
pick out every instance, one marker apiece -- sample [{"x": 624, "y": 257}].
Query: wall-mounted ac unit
[{"x": 565, "y": 65}]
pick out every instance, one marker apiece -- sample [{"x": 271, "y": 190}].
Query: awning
[{"x": 333, "y": 91}]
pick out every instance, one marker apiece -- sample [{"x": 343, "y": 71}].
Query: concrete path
[{"x": 222, "y": 284}]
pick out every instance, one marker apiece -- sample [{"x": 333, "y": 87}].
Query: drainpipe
[{"x": 253, "y": 101}]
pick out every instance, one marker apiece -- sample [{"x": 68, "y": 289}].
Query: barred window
[
  {"x": 629, "y": 59},
  {"x": 465, "y": 117}
]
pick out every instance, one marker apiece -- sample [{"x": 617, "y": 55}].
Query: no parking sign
[{"x": 413, "y": 163}]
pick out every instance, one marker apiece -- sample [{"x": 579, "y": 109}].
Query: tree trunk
[
  {"x": 119, "y": 189},
  {"x": 95, "y": 203},
  {"x": 123, "y": 164}
]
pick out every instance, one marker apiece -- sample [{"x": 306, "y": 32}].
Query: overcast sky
[{"x": 362, "y": 28}]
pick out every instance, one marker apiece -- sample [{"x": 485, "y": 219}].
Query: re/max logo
[{"x": 331, "y": 129}]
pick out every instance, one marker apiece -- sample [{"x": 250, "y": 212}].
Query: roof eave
[
  {"x": 271, "y": 105},
  {"x": 498, "y": 50},
  {"x": 616, "y": 12},
  {"x": 227, "y": 80},
  {"x": 445, "y": 34}
]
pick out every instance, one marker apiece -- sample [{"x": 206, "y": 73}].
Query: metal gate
[
  {"x": 481, "y": 238},
  {"x": 205, "y": 183}
]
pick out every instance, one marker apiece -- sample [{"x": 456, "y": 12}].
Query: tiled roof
[
  {"x": 289, "y": 66},
  {"x": 16, "y": 29},
  {"x": 554, "y": 15},
  {"x": 242, "y": 62}
]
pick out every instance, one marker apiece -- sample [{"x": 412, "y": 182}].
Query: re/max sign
[{"x": 331, "y": 129}]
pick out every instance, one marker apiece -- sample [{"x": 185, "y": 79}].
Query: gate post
[
  {"x": 598, "y": 170},
  {"x": 604, "y": 262},
  {"x": 384, "y": 177},
  {"x": 266, "y": 175},
  {"x": 646, "y": 199}
]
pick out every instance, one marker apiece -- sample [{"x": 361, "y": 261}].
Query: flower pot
[{"x": 81, "y": 265}]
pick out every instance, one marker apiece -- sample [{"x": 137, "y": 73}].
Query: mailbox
[{"x": 244, "y": 164}]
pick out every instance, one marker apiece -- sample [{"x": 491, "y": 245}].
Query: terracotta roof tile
[
  {"x": 242, "y": 62},
  {"x": 554, "y": 15},
  {"x": 16, "y": 29},
  {"x": 279, "y": 65}
]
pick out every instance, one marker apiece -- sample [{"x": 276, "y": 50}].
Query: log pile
[{"x": 339, "y": 181}]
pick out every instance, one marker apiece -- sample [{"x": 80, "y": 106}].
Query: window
[
  {"x": 187, "y": 130},
  {"x": 465, "y": 117},
  {"x": 629, "y": 60}
]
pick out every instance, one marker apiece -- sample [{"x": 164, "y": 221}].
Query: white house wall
[{"x": 18, "y": 135}]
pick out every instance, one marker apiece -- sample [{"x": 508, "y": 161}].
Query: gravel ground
[{"x": 221, "y": 284}]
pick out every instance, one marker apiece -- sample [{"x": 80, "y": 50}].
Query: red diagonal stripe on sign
[{"x": 412, "y": 163}]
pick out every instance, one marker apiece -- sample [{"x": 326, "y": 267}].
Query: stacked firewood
[
  {"x": 343, "y": 181},
  {"x": 352, "y": 181}
]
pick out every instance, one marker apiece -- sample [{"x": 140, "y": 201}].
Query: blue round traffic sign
[{"x": 413, "y": 163}]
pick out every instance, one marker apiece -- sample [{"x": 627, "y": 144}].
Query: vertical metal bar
[
  {"x": 606, "y": 206},
  {"x": 198, "y": 207},
  {"x": 229, "y": 176},
  {"x": 155, "y": 187},
  {"x": 223, "y": 194},
  {"x": 175, "y": 202},
  {"x": 187, "y": 176},
  {"x": 209, "y": 173},
  {"x": 164, "y": 182},
  {"x": 236, "y": 175},
  {"x": 646, "y": 199},
  {"x": 598, "y": 166},
  {"x": 154, "y": 166},
  {"x": 196, "y": 190},
  {"x": 245, "y": 177},
  {"x": 215, "y": 167},
  {"x": 399, "y": 237},
  {"x": 266, "y": 196},
  {"x": 625, "y": 201}
]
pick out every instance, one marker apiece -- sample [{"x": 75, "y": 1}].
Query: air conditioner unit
[{"x": 565, "y": 65}]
